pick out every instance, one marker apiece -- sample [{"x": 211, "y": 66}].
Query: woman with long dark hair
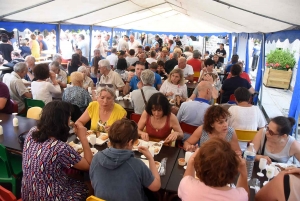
[
  {"x": 74, "y": 64},
  {"x": 46, "y": 156}
]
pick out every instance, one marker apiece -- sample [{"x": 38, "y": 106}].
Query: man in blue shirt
[
  {"x": 255, "y": 55},
  {"x": 157, "y": 83},
  {"x": 192, "y": 112},
  {"x": 133, "y": 80}
]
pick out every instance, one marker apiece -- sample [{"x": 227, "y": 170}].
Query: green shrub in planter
[{"x": 281, "y": 59}]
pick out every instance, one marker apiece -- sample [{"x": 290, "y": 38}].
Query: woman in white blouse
[
  {"x": 41, "y": 89},
  {"x": 174, "y": 85}
]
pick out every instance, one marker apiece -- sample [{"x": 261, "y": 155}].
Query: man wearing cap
[
  {"x": 123, "y": 44},
  {"x": 132, "y": 43},
  {"x": 196, "y": 63},
  {"x": 163, "y": 55},
  {"x": 158, "y": 40}
]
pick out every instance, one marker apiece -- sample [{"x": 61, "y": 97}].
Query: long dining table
[
  {"x": 10, "y": 136},
  {"x": 178, "y": 172}
]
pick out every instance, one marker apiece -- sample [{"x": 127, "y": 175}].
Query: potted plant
[{"x": 279, "y": 68}]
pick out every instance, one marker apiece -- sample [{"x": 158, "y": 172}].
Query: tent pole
[
  {"x": 263, "y": 70},
  {"x": 111, "y": 38},
  {"x": 18, "y": 38},
  {"x": 247, "y": 55},
  {"x": 58, "y": 38},
  {"x": 90, "y": 45}
]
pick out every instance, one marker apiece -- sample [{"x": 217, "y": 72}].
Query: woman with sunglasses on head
[
  {"x": 274, "y": 142},
  {"x": 103, "y": 112}
]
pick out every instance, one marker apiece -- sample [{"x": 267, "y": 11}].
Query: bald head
[
  {"x": 182, "y": 62},
  {"x": 205, "y": 90}
]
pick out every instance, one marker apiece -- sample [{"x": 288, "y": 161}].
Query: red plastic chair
[
  {"x": 135, "y": 117},
  {"x": 15, "y": 105},
  {"x": 6, "y": 195},
  {"x": 186, "y": 128}
]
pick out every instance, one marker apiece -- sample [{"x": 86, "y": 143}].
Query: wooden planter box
[{"x": 277, "y": 78}]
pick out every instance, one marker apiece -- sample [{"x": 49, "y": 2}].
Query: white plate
[
  {"x": 147, "y": 163},
  {"x": 94, "y": 151},
  {"x": 151, "y": 143},
  {"x": 99, "y": 141}
]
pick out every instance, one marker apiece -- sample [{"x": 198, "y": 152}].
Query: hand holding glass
[{"x": 262, "y": 166}]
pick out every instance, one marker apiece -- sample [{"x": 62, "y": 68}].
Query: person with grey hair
[
  {"x": 188, "y": 71},
  {"x": 87, "y": 81},
  {"x": 170, "y": 64},
  {"x": 187, "y": 52},
  {"x": 109, "y": 77},
  {"x": 140, "y": 96},
  {"x": 30, "y": 62},
  {"x": 58, "y": 57},
  {"x": 17, "y": 89},
  {"x": 103, "y": 112},
  {"x": 61, "y": 76}
]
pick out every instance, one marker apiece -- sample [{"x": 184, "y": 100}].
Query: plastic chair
[
  {"x": 135, "y": 117},
  {"x": 187, "y": 128},
  {"x": 14, "y": 105},
  {"x": 93, "y": 198},
  {"x": 7, "y": 171},
  {"x": 232, "y": 99},
  {"x": 34, "y": 113},
  {"x": 68, "y": 79},
  {"x": 245, "y": 135},
  {"x": 7, "y": 195},
  {"x": 34, "y": 103}
]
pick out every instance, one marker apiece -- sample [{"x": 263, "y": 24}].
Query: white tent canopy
[{"x": 198, "y": 16}]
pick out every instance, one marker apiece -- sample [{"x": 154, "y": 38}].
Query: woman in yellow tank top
[{"x": 34, "y": 46}]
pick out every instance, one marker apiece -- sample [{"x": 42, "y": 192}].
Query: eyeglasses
[
  {"x": 270, "y": 131},
  {"x": 108, "y": 85}
]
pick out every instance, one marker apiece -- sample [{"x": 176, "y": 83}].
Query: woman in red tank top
[{"x": 159, "y": 121}]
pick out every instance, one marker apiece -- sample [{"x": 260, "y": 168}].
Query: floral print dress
[{"x": 44, "y": 177}]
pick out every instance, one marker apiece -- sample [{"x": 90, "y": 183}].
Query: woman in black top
[{"x": 74, "y": 64}]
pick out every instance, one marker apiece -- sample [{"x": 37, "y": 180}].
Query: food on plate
[
  {"x": 156, "y": 150},
  {"x": 172, "y": 101},
  {"x": 157, "y": 164},
  {"x": 104, "y": 137},
  {"x": 89, "y": 132},
  {"x": 79, "y": 150},
  {"x": 181, "y": 161},
  {"x": 157, "y": 144},
  {"x": 136, "y": 143}
]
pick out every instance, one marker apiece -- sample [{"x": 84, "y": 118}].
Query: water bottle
[{"x": 249, "y": 155}]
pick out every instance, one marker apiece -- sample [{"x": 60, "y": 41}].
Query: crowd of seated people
[{"x": 154, "y": 78}]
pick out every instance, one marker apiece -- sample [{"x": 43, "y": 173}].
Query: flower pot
[{"x": 277, "y": 78}]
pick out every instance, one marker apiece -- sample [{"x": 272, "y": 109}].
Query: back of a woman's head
[
  {"x": 41, "y": 71},
  {"x": 54, "y": 122},
  {"x": 121, "y": 132},
  {"x": 75, "y": 61},
  {"x": 284, "y": 124},
  {"x": 216, "y": 164},
  {"x": 214, "y": 113},
  {"x": 122, "y": 64},
  {"x": 235, "y": 70},
  {"x": 158, "y": 102}
]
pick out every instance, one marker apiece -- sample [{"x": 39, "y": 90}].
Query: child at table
[{"x": 115, "y": 173}]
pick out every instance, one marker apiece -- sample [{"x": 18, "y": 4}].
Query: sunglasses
[
  {"x": 270, "y": 131},
  {"x": 108, "y": 85}
]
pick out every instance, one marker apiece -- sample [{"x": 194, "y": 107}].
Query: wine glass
[
  {"x": 187, "y": 157},
  {"x": 270, "y": 172},
  {"x": 262, "y": 166},
  {"x": 93, "y": 139}
]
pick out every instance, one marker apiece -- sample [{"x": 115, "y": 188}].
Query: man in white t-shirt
[
  {"x": 83, "y": 46},
  {"x": 133, "y": 44},
  {"x": 188, "y": 71},
  {"x": 113, "y": 57},
  {"x": 245, "y": 116}
]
